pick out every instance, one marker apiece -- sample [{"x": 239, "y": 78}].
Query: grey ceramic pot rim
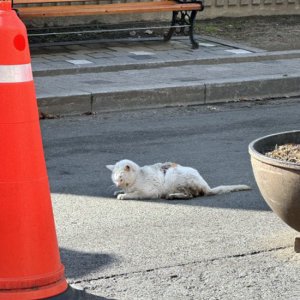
[{"x": 283, "y": 138}]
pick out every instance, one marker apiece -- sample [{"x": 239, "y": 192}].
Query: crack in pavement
[{"x": 252, "y": 253}]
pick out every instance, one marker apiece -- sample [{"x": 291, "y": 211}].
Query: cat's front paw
[{"x": 121, "y": 197}]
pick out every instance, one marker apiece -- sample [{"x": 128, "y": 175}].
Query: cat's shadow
[{"x": 247, "y": 200}]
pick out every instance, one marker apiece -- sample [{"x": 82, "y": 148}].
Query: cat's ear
[
  {"x": 127, "y": 168},
  {"x": 110, "y": 167}
]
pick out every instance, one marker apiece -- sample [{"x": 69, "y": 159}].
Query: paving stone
[{"x": 148, "y": 74}]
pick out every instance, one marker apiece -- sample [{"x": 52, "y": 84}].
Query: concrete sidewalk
[{"x": 122, "y": 75}]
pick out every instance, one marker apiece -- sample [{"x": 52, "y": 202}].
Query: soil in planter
[{"x": 287, "y": 152}]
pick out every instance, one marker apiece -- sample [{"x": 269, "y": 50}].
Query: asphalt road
[{"x": 223, "y": 247}]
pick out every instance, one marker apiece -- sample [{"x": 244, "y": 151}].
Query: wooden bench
[{"x": 184, "y": 11}]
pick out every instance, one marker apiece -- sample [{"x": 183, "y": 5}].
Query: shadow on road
[
  {"x": 244, "y": 201},
  {"x": 78, "y": 264}
]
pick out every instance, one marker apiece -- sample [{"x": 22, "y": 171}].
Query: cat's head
[{"x": 124, "y": 173}]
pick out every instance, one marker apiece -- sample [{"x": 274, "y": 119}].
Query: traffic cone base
[
  {"x": 33, "y": 281},
  {"x": 39, "y": 292}
]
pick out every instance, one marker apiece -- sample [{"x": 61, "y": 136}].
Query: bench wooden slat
[
  {"x": 114, "y": 8},
  {"x": 16, "y": 2},
  {"x": 44, "y": 1}
]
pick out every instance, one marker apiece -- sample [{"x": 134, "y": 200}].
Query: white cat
[{"x": 162, "y": 180}]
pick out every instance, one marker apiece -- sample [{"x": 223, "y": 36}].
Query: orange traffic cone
[{"x": 30, "y": 266}]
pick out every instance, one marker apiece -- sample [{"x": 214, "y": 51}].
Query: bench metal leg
[
  {"x": 169, "y": 34},
  {"x": 185, "y": 22},
  {"x": 195, "y": 44}
]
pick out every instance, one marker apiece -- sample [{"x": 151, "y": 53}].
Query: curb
[{"x": 218, "y": 91}]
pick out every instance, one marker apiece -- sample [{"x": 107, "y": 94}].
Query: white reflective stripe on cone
[{"x": 15, "y": 73}]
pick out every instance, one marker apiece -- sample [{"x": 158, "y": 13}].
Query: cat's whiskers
[{"x": 111, "y": 188}]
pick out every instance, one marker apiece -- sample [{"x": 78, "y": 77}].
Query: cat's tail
[{"x": 222, "y": 189}]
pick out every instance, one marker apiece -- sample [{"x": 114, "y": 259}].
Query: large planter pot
[{"x": 278, "y": 181}]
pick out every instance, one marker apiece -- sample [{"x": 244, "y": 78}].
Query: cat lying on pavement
[{"x": 163, "y": 181}]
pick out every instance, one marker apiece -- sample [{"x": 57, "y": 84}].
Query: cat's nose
[{"x": 119, "y": 182}]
